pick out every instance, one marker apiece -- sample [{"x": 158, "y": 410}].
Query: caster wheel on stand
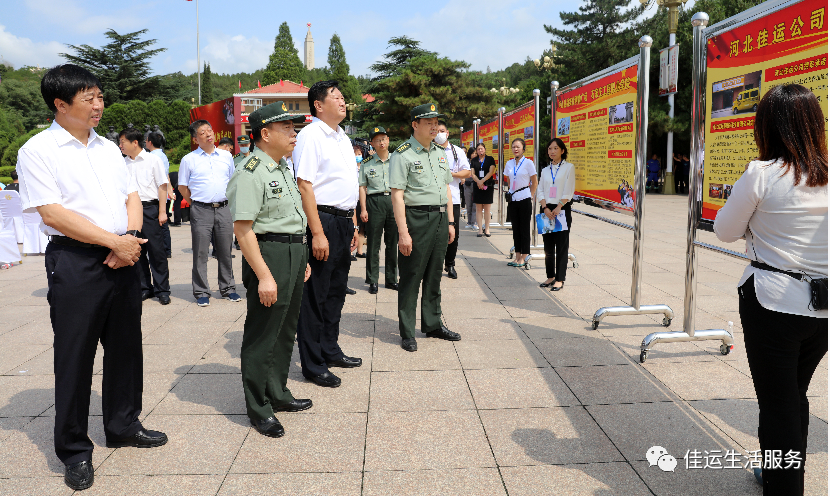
[
  {"x": 594, "y": 325},
  {"x": 725, "y": 349},
  {"x": 575, "y": 265},
  {"x": 643, "y": 356},
  {"x": 666, "y": 321}
]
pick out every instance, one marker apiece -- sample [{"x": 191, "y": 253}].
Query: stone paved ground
[{"x": 532, "y": 400}]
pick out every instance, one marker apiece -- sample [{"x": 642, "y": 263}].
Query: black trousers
[
  {"x": 89, "y": 302},
  {"x": 323, "y": 297},
  {"x": 168, "y": 243},
  {"x": 520, "y": 212},
  {"x": 153, "y": 259},
  {"x": 452, "y": 248},
  {"x": 177, "y": 209},
  {"x": 556, "y": 249},
  {"x": 783, "y": 351}
]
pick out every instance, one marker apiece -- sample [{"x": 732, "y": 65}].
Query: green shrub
[
  {"x": 6, "y": 171},
  {"x": 5, "y": 180},
  {"x": 10, "y": 155}
]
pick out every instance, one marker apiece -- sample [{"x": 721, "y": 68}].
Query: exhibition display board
[
  {"x": 221, "y": 116},
  {"x": 783, "y": 45}
]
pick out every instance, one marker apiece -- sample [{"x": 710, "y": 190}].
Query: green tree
[
  {"x": 10, "y": 128},
  {"x": 339, "y": 71},
  {"x": 395, "y": 61},
  {"x": 285, "y": 62},
  {"x": 22, "y": 98},
  {"x": 207, "y": 85},
  {"x": 122, "y": 66},
  {"x": 10, "y": 154}
]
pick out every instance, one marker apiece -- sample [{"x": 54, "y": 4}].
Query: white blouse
[
  {"x": 785, "y": 227},
  {"x": 565, "y": 183},
  {"x": 519, "y": 176}
]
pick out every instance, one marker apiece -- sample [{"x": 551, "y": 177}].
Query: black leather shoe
[
  {"x": 554, "y": 288},
  {"x": 373, "y": 289},
  {"x": 451, "y": 273},
  {"x": 79, "y": 476},
  {"x": 270, "y": 427},
  {"x": 146, "y": 295},
  {"x": 294, "y": 406},
  {"x": 346, "y": 362},
  {"x": 326, "y": 379},
  {"x": 164, "y": 300},
  {"x": 391, "y": 285},
  {"x": 141, "y": 439},
  {"x": 360, "y": 255},
  {"x": 354, "y": 258},
  {"x": 409, "y": 344},
  {"x": 350, "y": 291},
  {"x": 444, "y": 333}
]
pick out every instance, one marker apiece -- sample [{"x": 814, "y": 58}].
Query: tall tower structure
[{"x": 308, "y": 51}]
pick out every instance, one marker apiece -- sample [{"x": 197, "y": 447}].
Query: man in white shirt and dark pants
[
  {"x": 78, "y": 182},
  {"x": 151, "y": 180},
  {"x": 153, "y": 145},
  {"x": 460, "y": 167},
  {"x": 203, "y": 178},
  {"x": 324, "y": 165}
]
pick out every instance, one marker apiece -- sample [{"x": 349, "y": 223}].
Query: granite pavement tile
[
  {"x": 601, "y": 384},
  {"x": 307, "y": 484},
  {"x": 518, "y": 388},
  {"x": 34, "y": 486},
  {"x": 26, "y": 396},
  {"x": 29, "y": 333},
  {"x": 574, "y": 479},
  {"x": 413, "y": 391},
  {"x": 546, "y": 436},
  {"x": 693, "y": 482},
  {"x": 204, "y": 394},
  {"x": 432, "y": 354},
  {"x": 556, "y": 327},
  {"x": 580, "y": 352},
  {"x": 156, "y": 485},
  {"x": 499, "y": 354},
  {"x": 702, "y": 380},
  {"x": 480, "y": 329},
  {"x": 351, "y": 396},
  {"x": 472, "y": 481},
  {"x": 15, "y": 354}
]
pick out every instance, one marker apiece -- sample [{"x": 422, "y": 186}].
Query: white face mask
[
  {"x": 243, "y": 149},
  {"x": 358, "y": 158},
  {"x": 441, "y": 138}
]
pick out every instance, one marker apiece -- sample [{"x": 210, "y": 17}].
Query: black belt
[
  {"x": 211, "y": 205},
  {"x": 282, "y": 238},
  {"x": 67, "y": 241},
  {"x": 429, "y": 208},
  {"x": 150, "y": 202},
  {"x": 770, "y": 268},
  {"x": 385, "y": 193},
  {"x": 335, "y": 211}
]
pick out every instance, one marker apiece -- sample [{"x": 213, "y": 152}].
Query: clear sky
[{"x": 239, "y": 36}]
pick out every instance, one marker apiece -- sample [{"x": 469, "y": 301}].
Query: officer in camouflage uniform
[
  {"x": 244, "y": 151},
  {"x": 270, "y": 225},
  {"x": 376, "y": 200},
  {"x": 420, "y": 176}
]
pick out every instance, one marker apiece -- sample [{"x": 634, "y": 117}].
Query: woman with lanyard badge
[
  {"x": 521, "y": 174},
  {"x": 555, "y": 192},
  {"x": 484, "y": 168}
]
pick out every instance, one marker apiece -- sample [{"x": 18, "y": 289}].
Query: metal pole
[
  {"x": 668, "y": 184},
  {"x": 500, "y": 169},
  {"x": 554, "y": 85},
  {"x": 198, "y": 57},
  {"x": 536, "y": 154},
  {"x": 640, "y": 143},
  {"x": 475, "y": 132}
]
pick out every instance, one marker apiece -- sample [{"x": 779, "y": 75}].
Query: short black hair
[
  {"x": 64, "y": 82},
  {"x": 132, "y": 134},
  {"x": 318, "y": 93},
  {"x": 14, "y": 175},
  {"x": 560, "y": 144},
  {"x": 443, "y": 123},
  {"x": 520, "y": 140},
  {"x": 195, "y": 125},
  {"x": 156, "y": 140},
  {"x": 256, "y": 134},
  {"x": 225, "y": 141}
]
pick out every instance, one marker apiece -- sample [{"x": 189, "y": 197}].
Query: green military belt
[
  {"x": 385, "y": 193},
  {"x": 429, "y": 208},
  {"x": 282, "y": 238}
]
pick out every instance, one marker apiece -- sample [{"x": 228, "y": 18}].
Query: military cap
[
  {"x": 272, "y": 112},
  {"x": 425, "y": 111},
  {"x": 376, "y": 131},
  {"x": 243, "y": 140}
]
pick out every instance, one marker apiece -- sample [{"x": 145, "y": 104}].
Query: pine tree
[
  {"x": 285, "y": 62},
  {"x": 207, "y": 85},
  {"x": 338, "y": 70},
  {"x": 395, "y": 61},
  {"x": 122, "y": 66}
]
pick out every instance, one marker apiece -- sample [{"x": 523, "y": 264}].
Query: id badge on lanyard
[{"x": 553, "y": 181}]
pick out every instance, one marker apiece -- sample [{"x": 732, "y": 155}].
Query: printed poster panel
[
  {"x": 519, "y": 125},
  {"x": 467, "y": 139},
  {"x": 489, "y": 135},
  {"x": 221, "y": 117},
  {"x": 668, "y": 70},
  {"x": 596, "y": 122},
  {"x": 784, "y": 47}
]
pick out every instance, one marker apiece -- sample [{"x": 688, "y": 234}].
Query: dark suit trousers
[
  {"x": 89, "y": 302},
  {"x": 153, "y": 259},
  {"x": 323, "y": 297},
  {"x": 168, "y": 243},
  {"x": 452, "y": 248},
  {"x": 556, "y": 249}
]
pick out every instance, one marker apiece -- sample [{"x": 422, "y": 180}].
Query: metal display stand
[{"x": 700, "y": 36}]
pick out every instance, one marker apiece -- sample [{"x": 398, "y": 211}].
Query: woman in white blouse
[
  {"x": 780, "y": 205},
  {"x": 520, "y": 174},
  {"x": 556, "y": 190}
]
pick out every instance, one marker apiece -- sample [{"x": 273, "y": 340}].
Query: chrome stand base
[
  {"x": 571, "y": 256},
  {"x": 681, "y": 337},
  {"x": 572, "y": 259},
  {"x": 643, "y": 310}
]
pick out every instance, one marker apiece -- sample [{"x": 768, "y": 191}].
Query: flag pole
[{"x": 198, "y": 58}]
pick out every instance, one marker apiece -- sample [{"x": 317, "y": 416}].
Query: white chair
[
  {"x": 34, "y": 240},
  {"x": 12, "y": 208},
  {"x": 9, "y": 252}
]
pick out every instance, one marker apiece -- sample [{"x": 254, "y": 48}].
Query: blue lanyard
[
  {"x": 516, "y": 168},
  {"x": 552, "y": 175}
]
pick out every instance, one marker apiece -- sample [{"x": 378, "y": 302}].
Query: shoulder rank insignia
[
  {"x": 404, "y": 147},
  {"x": 237, "y": 155},
  {"x": 252, "y": 164}
]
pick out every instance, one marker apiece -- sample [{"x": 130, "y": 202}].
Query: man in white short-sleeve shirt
[
  {"x": 151, "y": 179},
  {"x": 79, "y": 183},
  {"x": 324, "y": 165},
  {"x": 460, "y": 168}
]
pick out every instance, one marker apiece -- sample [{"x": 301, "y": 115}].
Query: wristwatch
[
  {"x": 452, "y": 223},
  {"x": 133, "y": 232}
]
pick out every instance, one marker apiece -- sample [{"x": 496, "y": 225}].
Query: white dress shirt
[
  {"x": 325, "y": 158},
  {"x": 91, "y": 181},
  {"x": 785, "y": 227},
  {"x": 456, "y": 166},
  {"x": 160, "y": 154},
  {"x": 149, "y": 174},
  {"x": 565, "y": 183},
  {"x": 206, "y": 175},
  {"x": 519, "y": 175}
]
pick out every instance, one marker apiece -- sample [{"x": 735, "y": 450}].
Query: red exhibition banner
[{"x": 221, "y": 117}]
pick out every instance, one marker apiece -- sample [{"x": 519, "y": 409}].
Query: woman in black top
[{"x": 484, "y": 167}]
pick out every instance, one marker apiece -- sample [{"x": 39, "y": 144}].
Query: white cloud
[
  {"x": 71, "y": 16},
  {"x": 23, "y": 51},
  {"x": 231, "y": 54}
]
